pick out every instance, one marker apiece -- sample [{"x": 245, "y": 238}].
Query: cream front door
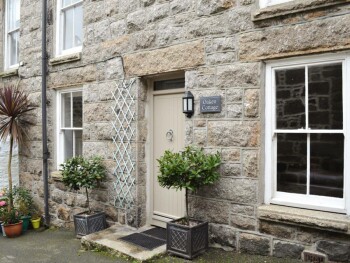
[{"x": 168, "y": 134}]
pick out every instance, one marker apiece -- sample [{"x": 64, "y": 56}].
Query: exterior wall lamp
[{"x": 188, "y": 104}]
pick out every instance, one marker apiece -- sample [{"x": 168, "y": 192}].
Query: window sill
[
  {"x": 303, "y": 217},
  {"x": 56, "y": 176},
  {"x": 65, "y": 59},
  {"x": 292, "y": 7},
  {"x": 9, "y": 73}
]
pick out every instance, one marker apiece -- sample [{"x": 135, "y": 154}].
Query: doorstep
[{"x": 109, "y": 240}]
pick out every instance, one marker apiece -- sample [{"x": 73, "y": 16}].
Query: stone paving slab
[{"x": 109, "y": 240}]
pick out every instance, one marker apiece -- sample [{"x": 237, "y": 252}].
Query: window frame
[
  {"x": 60, "y": 30},
  {"x": 267, "y": 3},
  {"x": 7, "y": 56},
  {"x": 59, "y": 128},
  {"x": 338, "y": 205}
]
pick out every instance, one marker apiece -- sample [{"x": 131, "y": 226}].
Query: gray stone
[
  {"x": 243, "y": 191},
  {"x": 221, "y": 44},
  {"x": 238, "y": 75},
  {"x": 221, "y": 58},
  {"x": 233, "y": 133},
  {"x": 234, "y": 95},
  {"x": 243, "y": 210},
  {"x": 234, "y": 111},
  {"x": 251, "y": 103},
  {"x": 209, "y": 210},
  {"x": 336, "y": 251},
  {"x": 223, "y": 235},
  {"x": 254, "y": 244},
  {"x": 250, "y": 163},
  {"x": 164, "y": 60},
  {"x": 276, "y": 229},
  {"x": 287, "y": 250},
  {"x": 231, "y": 155},
  {"x": 243, "y": 222},
  {"x": 208, "y": 7},
  {"x": 231, "y": 169},
  {"x": 200, "y": 137},
  {"x": 317, "y": 36}
]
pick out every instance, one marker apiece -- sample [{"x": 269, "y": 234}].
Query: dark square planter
[
  {"x": 86, "y": 224},
  {"x": 187, "y": 241}
]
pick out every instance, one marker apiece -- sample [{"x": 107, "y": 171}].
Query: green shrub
[
  {"x": 79, "y": 172},
  {"x": 189, "y": 169}
]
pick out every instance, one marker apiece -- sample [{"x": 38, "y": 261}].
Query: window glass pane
[
  {"x": 66, "y": 2},
  {"x": 169, "y": 84},
  {"x": 77, "y": 109},
  {"x": 68, "y": 144},
  {"x": 66, "y": 110},
  {"x": 13, "y": 15},
  {"x": 326, "y": 164},
  {"x": 78, "y": 25},
  {"x": 325, "y": 97},
  {"x": 290, "y": 98},
  {"x": 13, "y": 48},
  {"x": 78, "y": 143},
  {"x": 291, "y": 163},
  {"x": 68, "y": 28}
]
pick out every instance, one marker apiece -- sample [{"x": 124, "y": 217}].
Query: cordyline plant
[
  {"x": 79, "y": 172},
  {"x": 14, "y": 105},
  {"x": 189, "y": 169}
]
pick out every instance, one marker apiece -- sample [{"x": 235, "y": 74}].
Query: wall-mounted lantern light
[{"x": 188, "y": 104}]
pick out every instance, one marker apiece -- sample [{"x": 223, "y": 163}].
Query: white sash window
[
  {"x": 70, "y": 124},
  {"x": 266, "y": 3},
  {"x": 69, "y": 26},
  {"x": 307, "y": 144},
  {"x": 12, "y": 25}
]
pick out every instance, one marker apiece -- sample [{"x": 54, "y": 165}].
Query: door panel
[{"x": 167, "y": 118}]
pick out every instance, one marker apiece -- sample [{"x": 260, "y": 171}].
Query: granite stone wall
[{"x": 220, "y": 46}]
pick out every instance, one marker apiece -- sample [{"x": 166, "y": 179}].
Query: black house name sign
[{"x": 210, "y": 104}]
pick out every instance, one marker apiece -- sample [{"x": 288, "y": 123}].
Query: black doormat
[
  {"x": 156, "y": 232},
  {"x": 146, "y": 240}
]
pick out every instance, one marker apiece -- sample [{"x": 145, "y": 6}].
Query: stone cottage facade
[{"x": 117, "y": 72}]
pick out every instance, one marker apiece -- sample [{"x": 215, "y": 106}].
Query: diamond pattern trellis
[{"x": 124, "y": 126}]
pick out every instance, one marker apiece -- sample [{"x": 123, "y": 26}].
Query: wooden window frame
[{"x": 8, "y": 33}]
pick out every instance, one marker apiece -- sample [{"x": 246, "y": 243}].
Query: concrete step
[{"x": 108, "y": 240}]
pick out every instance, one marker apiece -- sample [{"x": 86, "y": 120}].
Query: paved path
[
  {"x": 61, "y": 246},
  {"x": 51, "y": 246}
]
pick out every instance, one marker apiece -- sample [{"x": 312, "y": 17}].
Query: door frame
[{"x": 149, "y": 145}]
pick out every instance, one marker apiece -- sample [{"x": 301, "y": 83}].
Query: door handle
[{"x": 169, "y": 135}]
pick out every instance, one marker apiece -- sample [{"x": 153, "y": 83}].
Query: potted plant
[
  {"x": 3, "y": 205},
  {"x": 35, "y": 218},
  {"x": 14, "y": 105},
  {"x": 79, "y": 172},
  {"x": 23, "y": 202},
  {"x": 189, "y": 170},
  {"x": 12, "y": 223}
]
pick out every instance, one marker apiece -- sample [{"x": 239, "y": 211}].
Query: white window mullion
[
  {"x": 346, "y": 123},
  {"x": 73, "y": 143},
  {"x": 71, "y": 109},
  {"x": 308, "y": 157},
  {"x": 73, "y": 31},
  {"x": 307, "y": 127}
]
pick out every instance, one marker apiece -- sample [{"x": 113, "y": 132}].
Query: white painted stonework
[{"x": 4, "y": 151}]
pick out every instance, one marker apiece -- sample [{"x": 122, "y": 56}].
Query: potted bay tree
[
  {"x": 189, "y": 170},
  {"x": 79, "y": 172}
]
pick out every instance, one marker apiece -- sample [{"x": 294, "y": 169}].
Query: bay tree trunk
[
  {"x": 87, "y": 199},
  {"x": 10, "y": 174}
]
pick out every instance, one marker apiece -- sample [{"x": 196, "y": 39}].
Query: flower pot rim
[
  {"x": 87, "y": 215},
  {"x": 35, "y": 219},
  {"x": 200, "y": 223},
  {"x": 20, "y": 222}
]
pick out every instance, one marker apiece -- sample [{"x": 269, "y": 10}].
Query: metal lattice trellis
[{"x": 125, "y": 129}]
